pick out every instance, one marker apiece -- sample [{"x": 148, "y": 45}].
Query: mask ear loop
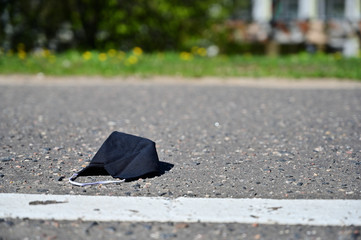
[{"x": 75, "y": 175}]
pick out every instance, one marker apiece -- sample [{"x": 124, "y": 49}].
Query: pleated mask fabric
[{"x": 122, "y": 156}]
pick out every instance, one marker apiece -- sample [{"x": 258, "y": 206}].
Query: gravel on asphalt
[
  {"x": 222, "y": 140},
  {"x": 283, "y": 141},
  {"x": 40, "y": 229}
]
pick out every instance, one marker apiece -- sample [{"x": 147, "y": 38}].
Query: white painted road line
[{"x": 149, "y": 209}]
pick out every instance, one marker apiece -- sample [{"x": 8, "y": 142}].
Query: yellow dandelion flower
[
  {"x": 132, "y": 60},
  {"x": 52, "y": 58},
  {"x": 46, "y": 53},
  {"x": 186, "y": 56},
  {"x": 137, "y": 51},
  {"x": 112, "y": 52},
  {"x": 10, "y": 53},
  {"x": 202, "y": 52},
  {"x": 194, "y": 50},
  {"x": 21, "y": 47},
  {"x": 102, "y": 57},
  {"x": 121, "y": 55},
  {"x": 22, "y": 54},
  {"x": 337, "y": 56},
  {"x": 87, "y": 55}
]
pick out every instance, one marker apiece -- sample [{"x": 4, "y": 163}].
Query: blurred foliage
[{"x": 121, "y": 24}]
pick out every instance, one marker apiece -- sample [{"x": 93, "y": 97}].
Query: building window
[
  {"x": 242, "y": 10},
  {"x": 335, "y": 9},
  {"x": 285, "y": 9}
]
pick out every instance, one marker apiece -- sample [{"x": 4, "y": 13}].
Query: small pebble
[
  {"x": 318, "y": 149},
  {"x": 42, "y": 190},
  {"x": 147, "y": 226},
  {"x": 168, "y": 235},
  {"x": 6, "y": 159},
  {"x": 129, "y": 233},
  {"x": 93, "y": 224},
  {"x": 111, "y": 229},
  {"x": 61, "y": 178},
  {"x": 10, "y": 223},
  {"x": 46, "y": 150},
  {"x": 181, "y": 225}
]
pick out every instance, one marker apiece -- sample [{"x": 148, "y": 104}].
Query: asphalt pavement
[{"x": 215, "y": 140}]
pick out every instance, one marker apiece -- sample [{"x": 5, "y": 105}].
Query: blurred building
[
  {"x": 266, "y": 10},
  {"x": 329, "y": 25}
]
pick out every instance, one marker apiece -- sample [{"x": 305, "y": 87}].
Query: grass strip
[{"x": 185, "y": 64}]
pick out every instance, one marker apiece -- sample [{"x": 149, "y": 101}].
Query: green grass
[{"x": 113, "y": 63}]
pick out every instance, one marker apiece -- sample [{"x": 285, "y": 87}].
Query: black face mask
[{"x": 122, "y": 156}]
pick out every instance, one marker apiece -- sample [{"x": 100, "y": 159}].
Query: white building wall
[
  {"x": 353, "y": 10},
  {"x": 262, "y": 10},
  {"x": 307, "y": 9}
]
